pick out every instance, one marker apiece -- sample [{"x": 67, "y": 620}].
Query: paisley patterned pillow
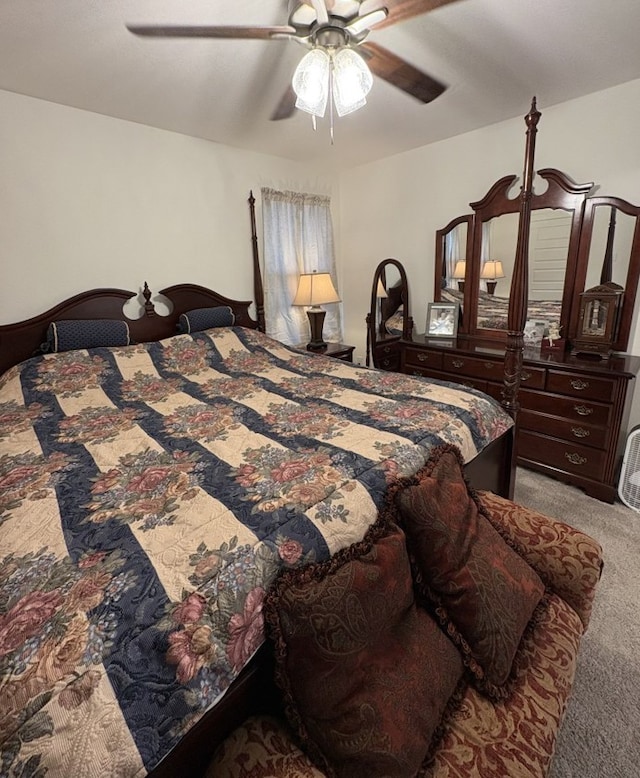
[
  {"x": 484, "y": 593},
  {"x": 366, "y": 675}
]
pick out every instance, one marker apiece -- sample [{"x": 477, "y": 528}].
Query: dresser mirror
[
  {"x": 610, "y": 252},
  {"x": 453, "y": 246},
  {"x": 575, "y": 243}
]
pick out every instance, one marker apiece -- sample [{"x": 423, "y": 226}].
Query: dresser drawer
[
  {"x": 471, "y": 383},
  {"x": 575, "y": 431},
  {"x": 492, "y": 370},
  {"x": 387, "y": 357},
  {"x": 564, "y": 455},
  {"x": 580, "y": 410},
  {"x": 533, "y": 377},
  {"x": 587, "y": 386},
  {"x": 419, "y": 357}
]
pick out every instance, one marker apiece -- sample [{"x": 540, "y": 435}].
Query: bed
[{"x": 150, "y": 492}]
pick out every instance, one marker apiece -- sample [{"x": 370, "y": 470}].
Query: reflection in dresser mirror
[
  {"x": 610, "y": 252},
  {"x": 553, "y": 241},
  {"x": 453, "y": 245}
]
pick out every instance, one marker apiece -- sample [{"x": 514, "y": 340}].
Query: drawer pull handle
[
  {"x": 579, "y": 384},
  {"x": 458, "y": 363},
  {"x": 423, "y": 357},
  {"x": 580, "y": 432},
  {"x": 489, "y": 365},
  {"x": 525, "y": 376},
  {"x": 575, "y": 459},
  {"x": 387, "y": 349},
  {"x": 583, "y": 410}
]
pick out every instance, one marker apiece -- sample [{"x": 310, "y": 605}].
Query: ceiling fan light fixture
[
  {"x": 352, "y": 81},
  {"x": 311, "y": 82}
]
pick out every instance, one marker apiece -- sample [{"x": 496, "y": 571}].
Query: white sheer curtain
[
  {"x": 451, "y": 255},
  {"x": 298, "y": 238}
]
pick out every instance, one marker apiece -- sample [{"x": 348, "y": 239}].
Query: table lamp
[
  {"x": 459, "y": 272},
  {"x": 315, "y": 289},
  {"x": 491, "y": 271}
]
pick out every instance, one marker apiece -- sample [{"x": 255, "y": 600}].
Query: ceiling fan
[{"x": 330, "y": 26}]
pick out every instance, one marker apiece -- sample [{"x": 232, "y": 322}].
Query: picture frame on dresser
[{"x": 442, "y": 320}]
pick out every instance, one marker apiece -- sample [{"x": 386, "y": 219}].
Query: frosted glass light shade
[
  {"x": 311, "y": 82},
  {"x": 352, "y": 81}
]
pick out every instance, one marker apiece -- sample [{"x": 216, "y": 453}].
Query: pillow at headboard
[
  {"x": 69, "y": 334},
  {"x": 200, "y": 319}
]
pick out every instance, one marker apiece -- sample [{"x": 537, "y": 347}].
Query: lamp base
[
  {"x": 461, "y": 286},
  {"x": 491, "y": 287},
  {"x": 316, "y": 321}
]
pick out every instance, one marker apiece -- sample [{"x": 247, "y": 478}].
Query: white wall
[
  {"x": 89, "y": 201},
  {"x": 393, "y": 207}
]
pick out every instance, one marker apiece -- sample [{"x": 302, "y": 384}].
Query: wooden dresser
[{"x": 574, "y": 412}]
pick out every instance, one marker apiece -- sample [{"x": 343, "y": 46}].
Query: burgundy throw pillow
[
  {"x": 366, "y": 675},
  {"x": 484, "y": 593}
]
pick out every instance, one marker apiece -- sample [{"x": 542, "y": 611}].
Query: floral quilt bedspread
[{"x": 148, "y": 496}]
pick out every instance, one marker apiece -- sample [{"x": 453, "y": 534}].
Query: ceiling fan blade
[
  {"x": 391, "y": 68},
  {"x": 286, "y": 107},
  {"x": 400, "y": 10},
  {"x": 366, "y": 22},
  {"x": 165, "y": 31},
  {"x": 320, "y": 7}
]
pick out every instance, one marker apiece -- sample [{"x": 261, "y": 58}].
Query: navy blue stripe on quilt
[{"x": 151, "y": 700}]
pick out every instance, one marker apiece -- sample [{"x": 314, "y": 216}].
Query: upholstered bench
[{"x": 481, "y": 737}]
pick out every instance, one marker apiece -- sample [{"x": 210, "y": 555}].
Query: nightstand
[{"x": 336, "y": 350}]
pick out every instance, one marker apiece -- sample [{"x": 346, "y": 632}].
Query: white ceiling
[{"x": 493, "y": 54}]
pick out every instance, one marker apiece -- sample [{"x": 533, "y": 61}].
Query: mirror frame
[
  {"x": 441, "y": 236},
  {"x": 621, "y": 342},
  {"x": 375, "y": 338},
  {"x": 562, "y": 193}
]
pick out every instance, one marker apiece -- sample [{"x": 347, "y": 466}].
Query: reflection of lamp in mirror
[
  {"x": 491, "y": 271},
  {"x": 459, "y": 272},
  {"x": 381, "y": 293},
  {"x": 315, "y": 289}
]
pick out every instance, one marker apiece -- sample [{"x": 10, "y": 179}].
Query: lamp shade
[
  {"x": 460, "y": 269},
  {"x": 492, "y": 269},
  {"x": 315, "y": 289},
  {"x": 381, "y": 291}
]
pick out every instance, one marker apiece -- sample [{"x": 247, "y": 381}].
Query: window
[{"x": 298, "y": 238}]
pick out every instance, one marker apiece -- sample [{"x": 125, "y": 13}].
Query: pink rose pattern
[
  {"x": 50, "y": 634},
  {"x": 146, "y": 488},
  {"x": 71, "y": 373},
  {"x": 217, "y": 626}
]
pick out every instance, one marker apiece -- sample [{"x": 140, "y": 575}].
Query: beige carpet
[{"x": 600, "y": 735}]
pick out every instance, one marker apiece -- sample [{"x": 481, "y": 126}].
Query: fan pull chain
[{"x": 331, "y": 101}]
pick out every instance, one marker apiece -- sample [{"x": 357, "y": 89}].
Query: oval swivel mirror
[{"x": 388, "y": 320}]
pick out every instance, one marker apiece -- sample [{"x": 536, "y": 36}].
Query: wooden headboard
[{"x": 23, "y": 339}]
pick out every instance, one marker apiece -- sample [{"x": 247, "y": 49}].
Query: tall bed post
[
  {"x": 518, "y": 299},
  {"x": 258, "y": 292}
]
